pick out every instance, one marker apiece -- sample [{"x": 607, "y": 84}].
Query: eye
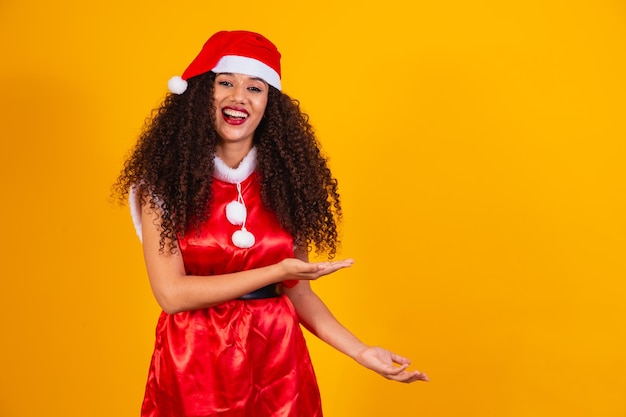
[
  {"x": 255, "y": 89},
  {"x": 225, "y": 83}
]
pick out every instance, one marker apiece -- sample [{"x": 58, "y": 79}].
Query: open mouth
[{"x": 234, "y": 114}]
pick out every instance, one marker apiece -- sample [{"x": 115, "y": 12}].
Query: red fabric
[
  {"x": 238, "y": 43},
  {"x": 240, "y": 358}
]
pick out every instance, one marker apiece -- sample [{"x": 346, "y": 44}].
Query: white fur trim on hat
[{"x": 248, "y": 66}]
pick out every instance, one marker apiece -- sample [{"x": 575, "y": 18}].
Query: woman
[{"x": 229, "y": 192}]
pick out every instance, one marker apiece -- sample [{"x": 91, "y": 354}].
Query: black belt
[{"x": 269, "y": 291}]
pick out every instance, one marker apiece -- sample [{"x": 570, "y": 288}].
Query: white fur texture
[
  {"x": 236, "y": 213},
  {"x": 177, "y": 85},
  {"x": 135, "y": 210},
  {"x": 235, "y": 175},
  {"x": 243, "y": 239}
]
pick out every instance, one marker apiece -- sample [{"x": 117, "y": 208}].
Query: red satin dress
[{"x": 242, "y": 358}]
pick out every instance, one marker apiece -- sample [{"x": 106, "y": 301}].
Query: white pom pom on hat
[
  {"x": 177, "y": 85},
  {"x": 236, "y": 51}
]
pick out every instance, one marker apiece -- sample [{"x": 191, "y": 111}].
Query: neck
[{"x": 233, "y": 153}]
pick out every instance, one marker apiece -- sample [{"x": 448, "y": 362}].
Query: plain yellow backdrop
[{"x": 479, "y": 147}]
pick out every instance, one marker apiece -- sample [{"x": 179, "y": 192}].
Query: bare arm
[
  {"x": 318, "y": 319},
  {"x": 175, "y": 291}
]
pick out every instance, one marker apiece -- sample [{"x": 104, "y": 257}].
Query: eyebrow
[{"x": 249, "y": 76}]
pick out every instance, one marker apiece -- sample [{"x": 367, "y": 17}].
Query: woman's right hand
[{"x": 298, "y": 269}]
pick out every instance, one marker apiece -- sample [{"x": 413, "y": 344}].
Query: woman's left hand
[{"x": 382, "y": 361}]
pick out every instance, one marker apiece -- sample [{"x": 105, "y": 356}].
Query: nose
[{"x": 238, "y": 93}]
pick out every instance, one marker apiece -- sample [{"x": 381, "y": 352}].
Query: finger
[
  {"x": 338, "y": 264},
  {"x": 326, "y": 268},
  {"x": 411, "y": 380},
  {"x": 400, "y": 359},
  {"x": 393, "y": 370},
  {"x": 419, "y": 376},
  {"x": 346, "y": 262},
  {"x": 408, "y": 377}
]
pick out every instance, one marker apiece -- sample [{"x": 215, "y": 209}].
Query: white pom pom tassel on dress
[
  {"x": 236, "y": 213},
  {"x": 243, "y": 239}
]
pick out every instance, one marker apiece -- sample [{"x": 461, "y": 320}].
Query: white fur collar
[{"x": 235, "y": 175}]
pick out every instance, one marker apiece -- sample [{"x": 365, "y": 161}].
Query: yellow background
[{"x": 480, "y": 151}]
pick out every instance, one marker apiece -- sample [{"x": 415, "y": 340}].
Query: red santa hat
[{"x": 237, "y": 51}]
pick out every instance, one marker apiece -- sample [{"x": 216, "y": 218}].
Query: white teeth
[{"x": 235, "y": 113}]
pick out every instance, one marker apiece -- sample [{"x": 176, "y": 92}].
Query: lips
[{"x": 234, "y": 116}]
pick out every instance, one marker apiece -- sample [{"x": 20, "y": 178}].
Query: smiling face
[{"x": 240, "y": 102}]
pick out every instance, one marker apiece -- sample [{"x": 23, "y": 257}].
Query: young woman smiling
[{"x": 229, "y": 191}]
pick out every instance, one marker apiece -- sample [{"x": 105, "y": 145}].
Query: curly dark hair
[{"x": 171, "y": 167}]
